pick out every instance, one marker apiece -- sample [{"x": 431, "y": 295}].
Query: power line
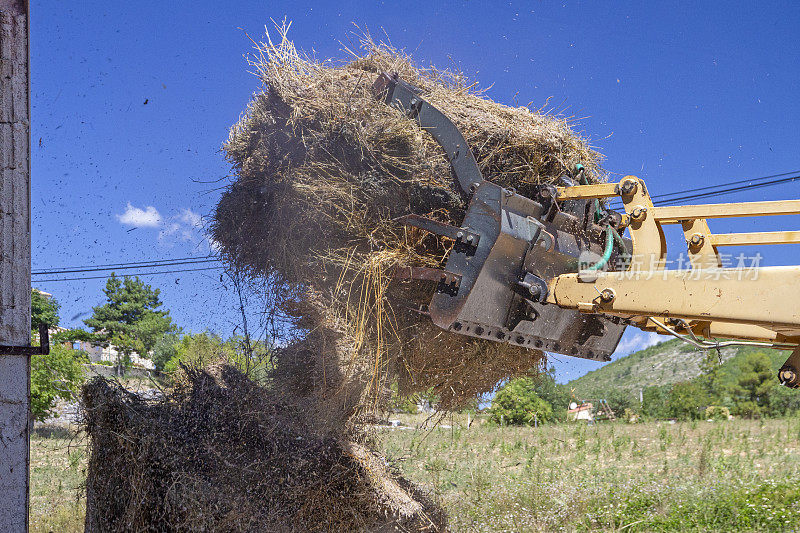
[
  {"x": 100, "y": 269},
  {"x": 155, "y": 262},
  {"x": 728, "y": 190},
  {"x": 739, "y": 182},
  {"x": 720, "y": 189},
  {"x": 135, "y": 274},
  {"x": 660, "y": 199}
]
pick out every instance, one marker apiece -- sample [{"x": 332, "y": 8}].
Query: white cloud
[
  {"x": 185, "y": 226},
  {"x": 148, "y": 217},
  {"x": 181, "y": 227},
  {"x": 190, "y": 217},
  {"x": 638, "y": 341}
]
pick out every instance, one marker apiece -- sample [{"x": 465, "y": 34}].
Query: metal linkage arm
[{"x": 405, "y": 97}]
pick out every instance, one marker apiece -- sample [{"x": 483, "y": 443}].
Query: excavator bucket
[{"x": 494, "y": 283}]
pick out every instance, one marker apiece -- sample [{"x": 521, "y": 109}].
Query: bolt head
[
  {"x": 788, "y": 377},
  {"x": 628, "y": 187},
  {"x": 696, "y": 241}
]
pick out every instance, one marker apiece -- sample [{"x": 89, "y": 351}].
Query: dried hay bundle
[
  {"x": 323, "y": 169},
  {"x": 221, "y": 453}
]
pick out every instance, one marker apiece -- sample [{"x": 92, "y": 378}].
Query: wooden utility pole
[{"x": 15, "y": 263}]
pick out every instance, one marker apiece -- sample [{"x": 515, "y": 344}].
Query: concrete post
[{"x": 15, "y": 264}]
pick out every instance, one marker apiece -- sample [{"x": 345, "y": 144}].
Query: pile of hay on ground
[
  {"x": 221, "y": 453},
  {"x": 322, "y": 168}
]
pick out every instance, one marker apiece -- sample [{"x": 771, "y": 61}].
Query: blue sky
[{"x": 131, "y": 105}]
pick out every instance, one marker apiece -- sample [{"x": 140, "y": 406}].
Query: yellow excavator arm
[
  {"x": 557, "y": 270},
  {"x": 708, "y": 297}
]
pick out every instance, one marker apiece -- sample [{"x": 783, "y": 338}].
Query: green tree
[
  {"x": 131, "y": 319},
  {"x": 783, "y": 401},
  {"x": 517, "y": 403},
  {"x": 654, "y": 401},
  {"x": 165, "y": 349},
  {"x": 556, "y": 394},
  {"x": 756, "y": 382},
  {"x": 72, "y": 335},
  {"x": 44, "y": 310},
  {"x": 57, "y": 375},
  {"x": 199, "y": 349},
  {"x": 621, "y": 400},
  {"x": 711, "y": 377},
  {"x": 687, "y": 401}
]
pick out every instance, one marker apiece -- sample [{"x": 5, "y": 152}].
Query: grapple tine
[
  {"x": 494, "y": 282},
  {"x": 460, "y": 235}
]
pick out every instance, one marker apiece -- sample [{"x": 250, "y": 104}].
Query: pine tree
[{"x": 131, "y": 319}]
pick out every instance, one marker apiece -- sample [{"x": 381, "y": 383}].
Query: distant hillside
[{"x": 665, "y": 363}]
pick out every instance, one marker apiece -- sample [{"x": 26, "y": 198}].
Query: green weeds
[{"x": 739, "y": 475}]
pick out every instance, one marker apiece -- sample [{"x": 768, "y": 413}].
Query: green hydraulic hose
[
  {"x": 625, "y": 257},
  {"x": 611, "y": 233},
  {"x": 606, "y": 253},
  {"x": 584, "y": 181},
  {"x": 597, "y": 213},
  {"x": 620, "y": 241}
]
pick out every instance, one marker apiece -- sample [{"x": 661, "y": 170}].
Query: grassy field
[
  {"x": 713, "y": 476},
  {"x": 58, "y": 468}
]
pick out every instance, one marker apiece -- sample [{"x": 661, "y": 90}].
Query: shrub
[
  {"x": 654, "y": 401},
  {"x": 717, "y": 412},
  {"x": 517, "y": 403},
  {"x": 57, "y": 375},
  {"x": 165, "y": 349}
]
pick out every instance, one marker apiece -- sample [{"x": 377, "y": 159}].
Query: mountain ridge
[{"x": 667, "y": 362}]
